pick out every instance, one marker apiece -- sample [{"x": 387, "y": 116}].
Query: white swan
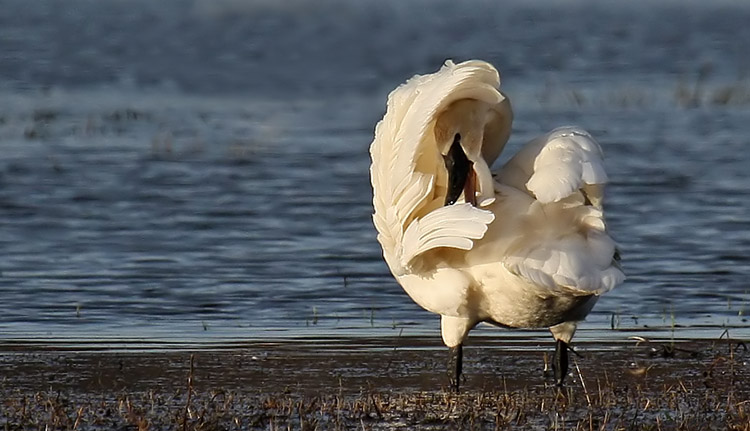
[{"x": 525, "y": 247}]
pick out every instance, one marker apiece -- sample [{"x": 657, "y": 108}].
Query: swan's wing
[
  {"x": 581, "y": 261},
  {"x": 567, "y": 246},
  {"x": 562, "y": 163},
  {"x": 452, "y": 226},
  {"x": 409, "y": 213}
]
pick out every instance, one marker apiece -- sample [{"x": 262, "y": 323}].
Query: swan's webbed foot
[
  {"x": 560, "y": 362},
  {"x": 455, "y": 365}
]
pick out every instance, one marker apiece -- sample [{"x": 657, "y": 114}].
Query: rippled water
[{"x": 199, "y": 170}]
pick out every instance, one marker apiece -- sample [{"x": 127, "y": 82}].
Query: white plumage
[{"x": 526, "y": 246}]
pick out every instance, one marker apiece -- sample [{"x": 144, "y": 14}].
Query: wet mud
[{"x": 374, "y": 384}]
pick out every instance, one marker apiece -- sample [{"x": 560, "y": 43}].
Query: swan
[{"x": 523, "y": 247}]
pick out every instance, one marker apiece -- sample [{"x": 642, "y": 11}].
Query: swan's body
[{"x": 525, "y": 247}]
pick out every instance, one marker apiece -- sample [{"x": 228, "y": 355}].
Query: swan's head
[{"x": 470, "y": 134}]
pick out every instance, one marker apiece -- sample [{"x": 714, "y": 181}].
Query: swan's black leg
[
  {"x": 455, "y": 363},
  {"x": 560, "y": 362}
]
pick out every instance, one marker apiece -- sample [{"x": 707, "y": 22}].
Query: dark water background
[{"x": 198, "y": 170}]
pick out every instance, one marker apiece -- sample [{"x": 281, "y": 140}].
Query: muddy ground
[{"x": 374, "y": 384}]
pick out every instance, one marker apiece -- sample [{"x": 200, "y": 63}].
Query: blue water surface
[{"x": 198, "y": 170}]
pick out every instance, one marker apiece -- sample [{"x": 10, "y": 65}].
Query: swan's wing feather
[
  {"x": 576, "y": 263},
  {"x": 558, "y": 165},
  {"x": 452, "y": 226},
  {"x": 405, "y": 161},
  {"x": 564, "y": 172}
]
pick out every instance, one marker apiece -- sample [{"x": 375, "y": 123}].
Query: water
[{"x": 198, "y": 170}]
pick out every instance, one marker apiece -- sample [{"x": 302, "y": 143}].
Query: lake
[{"x": 197, "y": 171}]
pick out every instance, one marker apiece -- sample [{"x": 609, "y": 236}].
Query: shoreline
[{"x": 379, "y": 384}]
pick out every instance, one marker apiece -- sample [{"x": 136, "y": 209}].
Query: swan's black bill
[{"x": 460, "y": 173}]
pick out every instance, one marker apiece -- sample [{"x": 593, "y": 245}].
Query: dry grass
[{"x": 611, "y": 408}]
